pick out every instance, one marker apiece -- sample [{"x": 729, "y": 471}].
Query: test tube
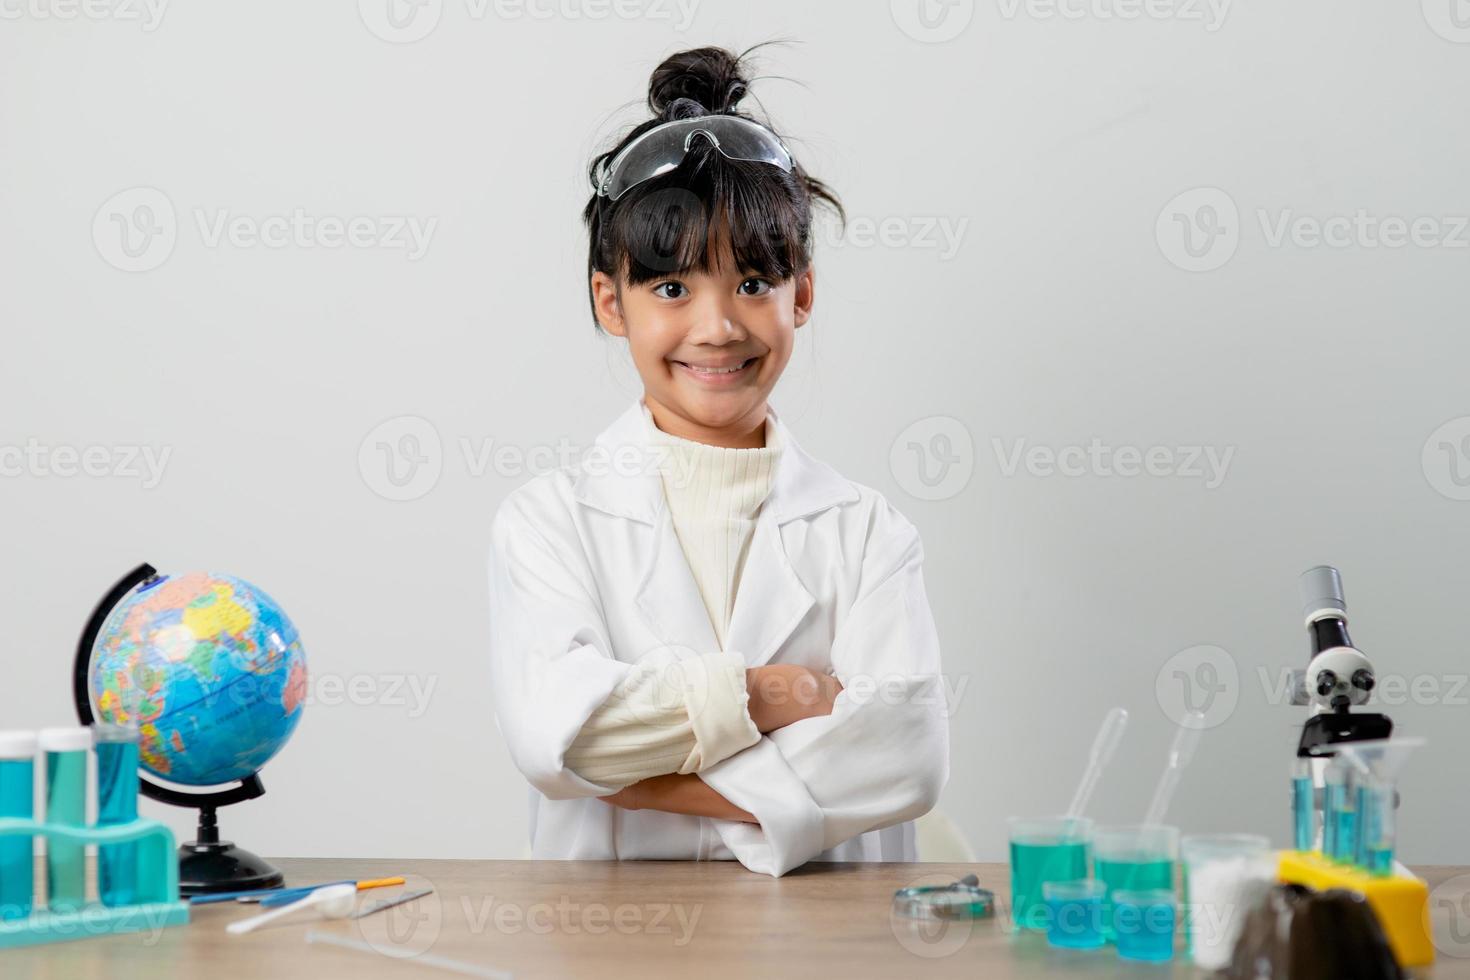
[
  {"x": 1375, "y": 768},
  {"x": 1303, "y": 805},
  {"x": 117, "y": 803},
  {"x": 17, "y": 800},
  {"x": 66, "y": 805},
  {"x": 1375, "y": 828},
  {"x": 1339, "y": 813}
]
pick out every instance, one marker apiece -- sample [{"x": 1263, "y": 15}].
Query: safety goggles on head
[{"x": 663, "y": 147}]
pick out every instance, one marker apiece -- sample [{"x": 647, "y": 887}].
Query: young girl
[{"x": 706, "y": 643}]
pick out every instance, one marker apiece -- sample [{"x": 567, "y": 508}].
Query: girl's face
[{"x": 686, "y": 332}]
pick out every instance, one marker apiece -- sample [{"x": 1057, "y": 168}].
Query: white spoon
[{"x": 331, "y": 902}]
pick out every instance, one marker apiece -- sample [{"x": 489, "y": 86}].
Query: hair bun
[{"x": 708, "y": 77}]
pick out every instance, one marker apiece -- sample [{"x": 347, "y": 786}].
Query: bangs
[{"x": 709, "y": 211}]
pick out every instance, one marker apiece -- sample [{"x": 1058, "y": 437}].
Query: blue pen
[{"x": 255, "y": 895}]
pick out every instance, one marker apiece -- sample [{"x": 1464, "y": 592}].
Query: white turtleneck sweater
[{"x": 684, "y": 715}]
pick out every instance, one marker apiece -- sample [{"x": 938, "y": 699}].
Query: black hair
[{"x": 665, "y": 225}]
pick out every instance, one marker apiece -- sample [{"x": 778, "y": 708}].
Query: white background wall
[{"x": 1051, "y": 143}]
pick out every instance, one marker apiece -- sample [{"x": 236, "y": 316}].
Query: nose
[{"x": 715, "y": 322}]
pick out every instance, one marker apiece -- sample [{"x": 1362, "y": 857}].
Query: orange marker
[{"x": 378, "y": 883}]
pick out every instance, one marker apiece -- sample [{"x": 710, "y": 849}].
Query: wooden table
[{"x": 674, "y": 919}]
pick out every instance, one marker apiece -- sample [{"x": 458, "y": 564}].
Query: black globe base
[
  {"x": 205, "y": 869},
  {"x": 210, "y": 865}
]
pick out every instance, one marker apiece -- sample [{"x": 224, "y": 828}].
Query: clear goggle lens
[{"x": 663, "y": 147}]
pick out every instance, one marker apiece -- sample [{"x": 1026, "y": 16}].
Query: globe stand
[{"x": 207, "y": 864}]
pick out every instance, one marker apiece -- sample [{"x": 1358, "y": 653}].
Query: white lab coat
[{"x": 587, "y": 577}]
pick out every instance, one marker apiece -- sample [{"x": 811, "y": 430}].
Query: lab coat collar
[
  {"x": 802, "y": 485},
  {"x": 771, "y": 601}
]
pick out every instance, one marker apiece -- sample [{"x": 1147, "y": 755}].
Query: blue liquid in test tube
[
  {"x": 66, "y": 804},
  {"x": 117, "y": 803},
  {"x": 17, "y": 800},
  {"x": 1304, "y": 813}
]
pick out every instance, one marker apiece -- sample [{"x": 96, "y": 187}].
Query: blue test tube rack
[{"x": 158, "y": 902}]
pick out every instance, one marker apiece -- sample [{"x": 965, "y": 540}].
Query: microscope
[{"x": 1338, "y": 678}]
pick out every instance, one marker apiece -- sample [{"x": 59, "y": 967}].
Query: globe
[{"x": 209, "y": 669}]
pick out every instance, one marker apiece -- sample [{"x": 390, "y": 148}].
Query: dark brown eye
[
  {"x": 670, "y": 284},
  {"x": 758, "y": 283}
]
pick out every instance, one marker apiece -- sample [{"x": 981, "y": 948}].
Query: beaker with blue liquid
[
  {"x": 1139, "y": 857},
  {"x": 1074, "y": 913},
  {"x": 1045, "y": 849}
]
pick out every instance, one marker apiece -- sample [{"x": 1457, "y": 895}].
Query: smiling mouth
[{"x": 724, "y": 372}]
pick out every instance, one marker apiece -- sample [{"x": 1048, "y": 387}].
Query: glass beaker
[
  {"x": 1074, "y": 913},
  {"x": 1138, "y": 857},
  {"x": 1044, "y": 849},
  {"x": 1224, "y": 874},
  {"x": 1144, "y": 923}
]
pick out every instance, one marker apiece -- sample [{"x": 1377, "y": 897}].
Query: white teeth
[{"x": 701, "y": 370}]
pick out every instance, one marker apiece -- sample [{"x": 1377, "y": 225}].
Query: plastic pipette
[
  {"x": 1185, "y": 739},
  {"x": 331, "y": 902},
  {"x": 1103, "y": 748}
]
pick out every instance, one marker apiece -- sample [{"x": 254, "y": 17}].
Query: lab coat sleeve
[
  {"x": 551, "y": 660},
  {"x": 882, "y": 756}
]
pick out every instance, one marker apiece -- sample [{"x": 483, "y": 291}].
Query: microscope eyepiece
[{"x": 1322, "y": 596}]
